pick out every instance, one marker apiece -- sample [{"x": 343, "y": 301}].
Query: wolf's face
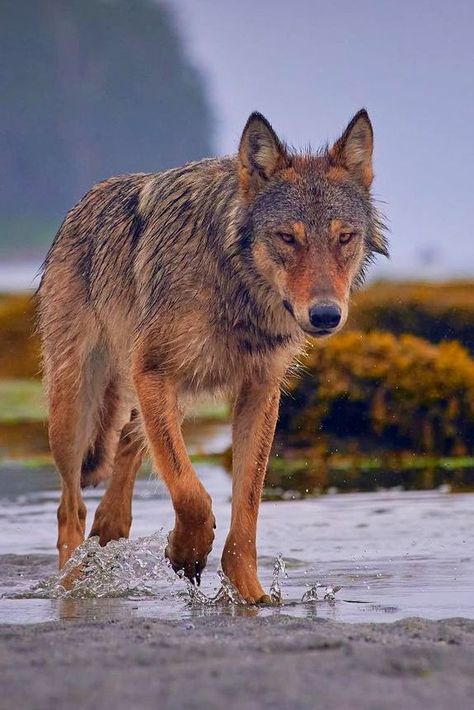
[{"x": 311, "y": 227}]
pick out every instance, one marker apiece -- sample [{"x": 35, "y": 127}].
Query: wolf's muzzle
[{"x": 325, "y": 317}]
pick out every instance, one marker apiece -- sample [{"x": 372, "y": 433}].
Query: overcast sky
[{"x": 310, "y": 65}]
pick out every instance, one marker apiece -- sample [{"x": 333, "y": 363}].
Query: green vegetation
[
  {"x": 301, "y": 477},
  {"x": 23, "y": 430},
  {"x": 21, "y": 400}
]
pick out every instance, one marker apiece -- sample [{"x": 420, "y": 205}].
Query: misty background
[{"x": 93, "y": 88}]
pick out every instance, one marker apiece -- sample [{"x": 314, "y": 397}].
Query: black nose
[{"x": 325, "y": 316}]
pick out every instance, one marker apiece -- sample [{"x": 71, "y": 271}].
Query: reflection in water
[
  {"x": 104, "y": 609},
  {"x": 311, "y": 474},
  {"x": 296, "y": 474}
]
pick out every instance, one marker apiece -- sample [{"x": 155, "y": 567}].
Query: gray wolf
[{"x": 202, "y": 279}]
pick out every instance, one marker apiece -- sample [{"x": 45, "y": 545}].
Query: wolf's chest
[{"x": 221, "y": 363}]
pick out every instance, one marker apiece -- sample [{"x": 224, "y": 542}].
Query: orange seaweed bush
[
  {"x": 19, "y": 347},
  {"x": 383, "y": 391},
  {"x": 435, "y": 311}
]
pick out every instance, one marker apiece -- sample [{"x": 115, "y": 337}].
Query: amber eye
[
  {"x": 287, "y": 237},
  {"x": 346, "y": 237}
]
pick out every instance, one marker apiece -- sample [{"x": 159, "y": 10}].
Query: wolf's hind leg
[
  {"x": 191, "y": 540},
  {"x": 68, "y": 434},
  {"x": 113, "y": 517},
  {"x": 255, "y": 415},
  {"x": 110, "y": 418}
]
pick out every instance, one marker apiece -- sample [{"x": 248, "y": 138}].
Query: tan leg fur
[
  {"x": 255, "y": 416},
  {"x": 191, "y": 539},
  {"x": 113, "y": 517}
]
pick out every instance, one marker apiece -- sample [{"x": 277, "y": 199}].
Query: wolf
[{"x": 206, "y": 278}]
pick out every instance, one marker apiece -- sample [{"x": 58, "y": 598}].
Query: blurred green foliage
[
  {"x": 302, "y": 477},
  {"x": 21, "y": 400}
]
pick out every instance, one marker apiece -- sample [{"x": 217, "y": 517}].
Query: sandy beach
[{"x": 229, "y": 662}]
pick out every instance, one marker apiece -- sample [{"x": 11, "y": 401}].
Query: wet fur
[{"x": 159, "y": 287}]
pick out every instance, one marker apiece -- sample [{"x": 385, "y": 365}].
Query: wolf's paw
[
  {"x": 241, "y": 569},
  {"x": 110, "y": 525},
  {"x": 188, "y": 547}
]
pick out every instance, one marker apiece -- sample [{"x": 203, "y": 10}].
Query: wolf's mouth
[{"x": 320, "y": 333}]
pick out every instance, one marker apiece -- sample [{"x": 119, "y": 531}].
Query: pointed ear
[
  {"x": 261, "y": 154},
  {"x": 353, "y": 150}
]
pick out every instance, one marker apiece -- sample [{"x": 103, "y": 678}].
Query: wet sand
[{"x": 243, "y": 662}]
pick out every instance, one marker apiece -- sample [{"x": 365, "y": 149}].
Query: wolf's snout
[{"x": 325, "y": 316}]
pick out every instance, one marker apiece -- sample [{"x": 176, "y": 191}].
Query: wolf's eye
[
  {"x": 346, "y": 237},
  {"x": 286, "y": 237}
]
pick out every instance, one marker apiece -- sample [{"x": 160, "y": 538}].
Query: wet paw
[
  {"x": 108, "y": 528},
  {"x": 69, "y": 580},
  {"x": 188, "y": 548},
  {"x": 265, "y": 600},
  {"x": 242, "y": 572}
]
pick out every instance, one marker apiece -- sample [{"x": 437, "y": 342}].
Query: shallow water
[{"x": 394, "y": 554}]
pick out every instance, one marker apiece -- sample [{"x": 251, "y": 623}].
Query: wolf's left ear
[
  {"x": 261, "y": 153},
  {"x": 353, "y": 151}
]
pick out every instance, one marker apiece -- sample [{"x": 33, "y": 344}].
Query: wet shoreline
[{"x": 396, "y": 554}]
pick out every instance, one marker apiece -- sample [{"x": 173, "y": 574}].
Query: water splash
[
  {"x": 226, "y": 594},
  {"x": 122, "y": 568},
  {"x": 279, "y": 569},
  {"x": 330, "y": 593},
  {"x": 127, "y": 568},
  {"x": 311, "y": 594},
  {"x": 138, "y": 568}
]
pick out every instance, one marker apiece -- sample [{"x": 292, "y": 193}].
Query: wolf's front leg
[
  {"x": 255, "y": 415},
  {"x": 190, "y": 541}
]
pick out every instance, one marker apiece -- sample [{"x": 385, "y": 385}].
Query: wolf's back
[{"x": 141, "y": 218}]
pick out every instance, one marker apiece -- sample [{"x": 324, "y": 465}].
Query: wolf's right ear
[{"x": 261, "y": 154}]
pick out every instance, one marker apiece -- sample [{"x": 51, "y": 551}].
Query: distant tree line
[{"x": 89, "y": 89}]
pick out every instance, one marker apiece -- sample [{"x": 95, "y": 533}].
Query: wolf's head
[{"x": 310, "y": 225}]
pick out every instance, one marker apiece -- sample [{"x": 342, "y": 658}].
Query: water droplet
[{"x": 279, "y": 568}]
